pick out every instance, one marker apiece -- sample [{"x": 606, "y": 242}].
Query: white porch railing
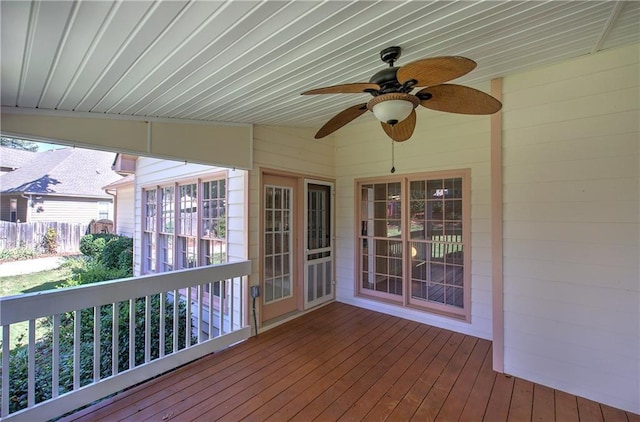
[{"x": 101, "y": 338}]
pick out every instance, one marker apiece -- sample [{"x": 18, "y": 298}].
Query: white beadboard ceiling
[{"x": 248, "y": 61}]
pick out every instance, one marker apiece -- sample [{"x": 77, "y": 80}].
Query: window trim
[{"x": 405, "y": 300}]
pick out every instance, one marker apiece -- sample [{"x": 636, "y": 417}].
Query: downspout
[{"x": 115, "y": 209}]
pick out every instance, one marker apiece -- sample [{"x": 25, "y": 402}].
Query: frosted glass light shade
[
  {"x": 393, "y": 107},
  {"x": 392, "y": 111}
]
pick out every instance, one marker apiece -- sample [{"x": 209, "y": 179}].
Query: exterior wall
[
  {"x": 287, "y": 149},
  {"x": 66, "y": 210},
  {"x": 152, "y": 171},
  {"x": 441, "y": 141},
  {"x": 571, "y": 227},
  {"x": 125, "y": 215}
]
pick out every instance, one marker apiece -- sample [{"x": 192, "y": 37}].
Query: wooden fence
[{"x": 30, "y": 235}]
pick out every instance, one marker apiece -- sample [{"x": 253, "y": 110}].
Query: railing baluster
[
  {"x": 200, "y": 316},
  {"x": 132, "y": 333},
  {"x": 221, "y": 310},
  {"x": 115, "y": 340},
  {"x": 162, "y": 339},
  {"x": 5, "y": 372},
  {"x": 232, "y": 307},
  {"x": 176, "y": 306},
  {"x": 55, "y": 363},
  {"x": 187, "y": 333},
  {"x": 147, "y": 328},
  {"x": 77, "y": 325},
  {"x": 31, "y": 364},
  {"x": 96, "y": 343},
  {"x": 211, "y": 332}
]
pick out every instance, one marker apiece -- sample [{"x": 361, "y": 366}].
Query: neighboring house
[
  {"x": 63, "y": 185},
  {"x": 12, "y": 159}
]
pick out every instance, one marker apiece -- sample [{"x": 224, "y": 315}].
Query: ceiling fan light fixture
[{"x": 394, "y": 107}]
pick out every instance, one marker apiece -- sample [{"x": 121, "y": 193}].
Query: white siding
[
  {"x": 441, "y": 141},
  {"x": 571, "y": 227},
  {"x": 67, "y": 210},
  {"x": 125, "y": 216},
  {"x": 152, "y": 171}
]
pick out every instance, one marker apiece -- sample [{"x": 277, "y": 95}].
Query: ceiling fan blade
[
  {"x": 403, "y": 130},
  {"x": 435, "y": 70},
  {"x": 356, "y": 88},
  {"x": 458, "y": 99},
  {"x": 341, "y": 119}
]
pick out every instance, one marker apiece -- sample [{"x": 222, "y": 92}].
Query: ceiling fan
[{"x": 393, "y": 103}]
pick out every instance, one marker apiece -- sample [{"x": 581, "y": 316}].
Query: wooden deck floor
[{"x": 345, "y": 363}]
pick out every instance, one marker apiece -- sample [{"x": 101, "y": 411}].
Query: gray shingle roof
[
  {"x": 67, "y": 171},
  {"x": 15, "y": 158}
]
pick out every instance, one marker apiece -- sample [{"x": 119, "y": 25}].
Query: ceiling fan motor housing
[{"x": 387, "y": 80}]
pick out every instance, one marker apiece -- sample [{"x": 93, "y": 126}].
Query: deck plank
[
  {"x": 521, "y": 401},
  {"x": 543, "y": 403},
  {"x": 347, "y": 376},
  {"x": 268, "y": 400},
  {"x": 375, "y": 394},
  {"x": 412, "y": 400},
  {"x": 500, "y": 399},
  {"x": 433, "y": 402},
  {"x": 478, "y": 400},
  {"x": 400, "y": 388},
  {"x": 566, "y": 407},
  {"x": 345, "y": 363},
  {"x": 459, "y": 394},
  {"x": 589, "y": 411},
  {"x": 224, "y": 396}
]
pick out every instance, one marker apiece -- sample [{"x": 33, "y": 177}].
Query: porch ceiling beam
[{"x": 221, "y": 144}]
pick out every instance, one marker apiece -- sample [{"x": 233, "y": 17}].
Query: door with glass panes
[{"x": 279, "y": 290}]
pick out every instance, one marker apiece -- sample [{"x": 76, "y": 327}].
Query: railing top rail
[{"x": 20, "y": 308}]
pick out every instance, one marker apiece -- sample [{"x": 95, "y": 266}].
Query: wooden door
[{"x": 279, "y": 286}]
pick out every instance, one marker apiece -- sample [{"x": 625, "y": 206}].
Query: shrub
[
  {"x": 93, "y": 244},
  {"x": 95, "y": 272},
  {"x": 113, "y": 250},
  {"x": 50, "y": 241},
  {"x": 16, "y": 254}
]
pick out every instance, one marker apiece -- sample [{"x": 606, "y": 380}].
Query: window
[
  {"x": 413, "y": 241},
  {"x": 184, "y": 225},
  {"x": 149, "y": 230},
  {"x": 103, "y": 210},
  {"x": 13, "y": 210}
]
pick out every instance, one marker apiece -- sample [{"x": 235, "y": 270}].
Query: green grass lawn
[{"x": 29, "y": 283}]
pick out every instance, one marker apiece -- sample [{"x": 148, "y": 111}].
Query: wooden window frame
[{"x": 405, "y": 299}]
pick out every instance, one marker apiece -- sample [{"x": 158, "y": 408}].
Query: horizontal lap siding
[
  {"x": 571, "y": 232},
  {"x": 441, "y": 141},
  {"x": 67, "y": 209},
  {"x": 153, "y": 172},
  {"x": 125, "y": 224}
]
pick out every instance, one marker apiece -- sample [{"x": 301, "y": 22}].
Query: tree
[{"x": 23, "y": 144}]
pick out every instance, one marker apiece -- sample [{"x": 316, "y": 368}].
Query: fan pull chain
[{"x": 393, "y": 159}]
